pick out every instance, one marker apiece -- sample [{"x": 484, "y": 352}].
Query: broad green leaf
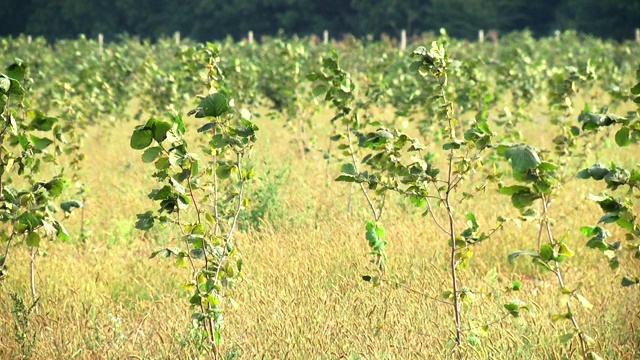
[
  {"x": 320, "y": 89},
  {"x": 567, "y": 337},
  {"x": 510, "y": 190},
  {"x": 224, "y": 171},
  {"x": 40, "y": 143},
  {"x": 145, "y": 221},
  {"x": 151, "y": 154},
  {"x": 212, "y": 105},
  {"x": 348, "y": 169},
  {"x": 32, "y": 239},
  {"x": 141, "y": 138},
  {"x": 546, "y": 252},
  {"x": 623, "y": 137},
  {"x": 160, "y": 129},
  {"x": 523, "y": 157},
  {"x": 55, "y": 186},
  {"x": 61, "y": 232},
  {"x": 626, "y": 282},
  {"x": 524, "y": 199},
  {"x": 548, "y": 166},
  {"x": 17, "y": 70}
]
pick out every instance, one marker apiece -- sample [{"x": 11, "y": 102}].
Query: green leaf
[
  {"x": 471, "y": 221},
  {"x": 567, "y": 337},
  {"x": 523, "y": 157},
  {"x": 212, "y": 105},
  {"x": 546, "y": 252},
  {"x": 145, "y": 221},
  {"x": 40, "y": 143},
  {"x": 626, "y": 282},
  {"x": 524, "y": 199},
  {"x": 159, "y": 129},
  {"x": 320, "y": 89},
  {"x": 55, "y": 186},
  {"x": 17, "y": 70},
  {"x": 141, "y": 138},
  {"x": 346, "y": 178},
  {"x": 516, "y": 285},
  {"x": 623, "y": 137},
  {"x": 224, "y": 171},
  {"x": 42, "y": 123},
  {"x": 510, "y": 190},
  {"x": 516, "y": 254},
  {"x": 456, "y": 144},
  {"x": 547, "y": 166},
  {"x": 68, "y": 206},
  {"x": 61, "y": 232},
  {"x": 32, "y": 239},
  {"x": 348, "y": 169},
  {"x": 166, "y": 252},
  {"x": 151, "y": 154}
]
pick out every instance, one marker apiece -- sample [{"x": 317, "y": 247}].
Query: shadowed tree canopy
[{"x": 216, "y": 19}]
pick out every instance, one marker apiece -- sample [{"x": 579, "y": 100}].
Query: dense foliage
[
  {"x": 436, "y": 129},
  {"x": 208, "y": 20}
]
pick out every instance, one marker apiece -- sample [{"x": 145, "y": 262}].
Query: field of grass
[
  {"x": 302, "y": 296},
  {"x": 302, "y": 237}
]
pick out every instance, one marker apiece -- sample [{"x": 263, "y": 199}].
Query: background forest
[{"x": 215, "y": 19}]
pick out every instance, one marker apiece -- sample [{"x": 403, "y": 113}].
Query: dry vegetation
[{"x": 302, "y": 296}]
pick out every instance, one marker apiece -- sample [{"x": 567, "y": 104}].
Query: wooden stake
[
  {"x": 638, "y": 35},
  {"x": 100, "y": 43},
  {"x": 403, "y": 40},
  {"x": 176, "y": 36},
  {"x": 325, "y": 37},
  {"x": 480, "y": 36},
  {"x": 29, "y": 39},
  {"x": 250, "y": 37}
]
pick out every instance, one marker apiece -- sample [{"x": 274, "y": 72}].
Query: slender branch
[
  {"x": 376, "y": 215},
  {"x": 558, "y": 273},
  {"x": 240, "y": 196},
  {"x": 216, "y": 230},
  {"x": 418, "y": 292},
  {"x": 32, "y": 271},
  {"x": 435, "y": 220},
  {"x": 382, "y": 202},
  {"x": 489, "y": 324}
]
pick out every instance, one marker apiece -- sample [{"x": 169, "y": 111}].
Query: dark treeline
[{"x": 216, "y": 19}]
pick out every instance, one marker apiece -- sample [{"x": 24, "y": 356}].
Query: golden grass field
[{"x": 302, "y": 296}]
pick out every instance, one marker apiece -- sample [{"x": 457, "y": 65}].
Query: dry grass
[{"x": 302, "y": 296}]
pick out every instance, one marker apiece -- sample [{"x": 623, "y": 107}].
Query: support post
[
  {"x": 403, "y": 40},
  {"x": 100, "y": 43}
]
